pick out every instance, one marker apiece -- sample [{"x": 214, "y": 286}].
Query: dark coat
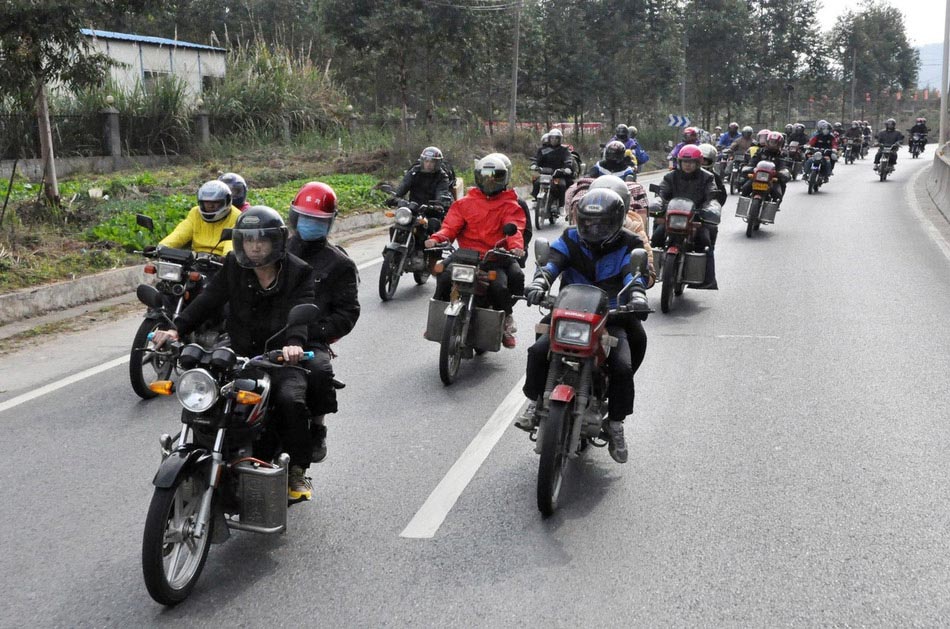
[
  {"x": 424, "y": 187},
  {"x": 336, "y": 288}
]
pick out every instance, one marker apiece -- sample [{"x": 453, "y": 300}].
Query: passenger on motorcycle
[
  {"x": 731, "y": 135},
  {"x": 427, "y": 180},
  {"x": 260, "y": 282},
  {"x": 615, "y": 162},
  {"x": 627, "y": 135},
  {"x": 797, "y": 135},
  {"x": 889, "y": 136},
  {"x": 699, "y": 186},
  {"x": 204, "y": 224},
  {"x": 690, "y": 137},
  {"x": 824, "y": 139},
  {"x": 771, "y": 151},
  {"x": 238, "y": 188},
  {"x": 477, "y": 222},
  {"x": 554, "y": 156},
  {"x": 336, "y": 292},
  {"x": 920, "y": 126},
  {"x": 709, "y": 160},
  {"x": 742, "y": 144},
  {"x": 595, "y": 252}
]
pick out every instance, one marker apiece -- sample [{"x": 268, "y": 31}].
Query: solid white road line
[
  {"x": 370, "y": 263},
  {"x": 437, "y": 506},
  {"x": 59, "y": 384}
]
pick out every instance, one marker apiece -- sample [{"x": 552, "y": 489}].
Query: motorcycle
[
  {"x": 763, "y": 204},
  {"x": 550, "y": 202},
  {"x": 412, "y": 224},
  {"x": 885, "y": 167},
  {"x": 181, "y": 275},
  {"x": 210, "y": 482},
  {"x": 573, "y": 409},
  {"x": 734, "y": 170},
  {"x": 464, "y": 326},
  {"x": 796, "y": 159},
  {"x": 852, "y": 148},
  {"x": 813, "y": 160},
  {"x": 917, "y": 143}
]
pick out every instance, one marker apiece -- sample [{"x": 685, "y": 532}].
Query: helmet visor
[
  {"x": 212, "y": 211},
  {"x": 491, "y": 181},
  {"x": 595, "y": 229},
  {"x": 258, "y": 247}
]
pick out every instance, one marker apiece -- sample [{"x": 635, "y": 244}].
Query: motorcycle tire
[
  {"x": 668, "y": 285},
  {"x": 173, "y": 508},
  {"x": 813, "y": 182},
  {"x": 450, "y": 351},
  {"x": 732, "y": 185},
  {"x": 421, "y": 277},
  {"x": 555, "y": 433},
  {"x": 389, "y": 274},
  {"x": 140, "y": 357},
  {"x": 539, "y": 206},
  {"x": 753, "y": 219},
  {"x": 883, "y": 173}
]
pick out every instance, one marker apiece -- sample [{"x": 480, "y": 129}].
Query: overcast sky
[{"x": 923, "y": 18}]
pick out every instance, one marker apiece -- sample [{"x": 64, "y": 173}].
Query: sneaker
[
  {"x": 510, "y": 326},
  {"x": 508, "y": 337},
  {"x": 528, "y": 419},
  {"x": 318, "y": 440},
  {"x": 617, "y": 444},
  {"x": 299, "y": 487}
]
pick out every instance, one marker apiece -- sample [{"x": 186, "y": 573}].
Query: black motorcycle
[
  {"x": 814, "y": 158},
  {"x": 550, "y": 203},
  {"x": 412, "y": 225},
  {"x": 917, "y": 143},
  {"x": 884, "y": 166}
]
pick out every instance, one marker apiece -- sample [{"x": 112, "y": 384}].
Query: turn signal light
[
  {"x": 247, "y": 397},
  {"x": 162, "y": 387},
  {"x": 150, "y": 269},
  {"x": 492, "y": 276},
  {"x": 194, "y": 276},
  {"x": 390, "y": 214}
]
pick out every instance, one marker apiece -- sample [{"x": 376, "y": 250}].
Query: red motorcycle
[
  {"x": 762, "y": 205},
  {"x": 677, "y": 264},
  {"x": 574, "y": 405}
]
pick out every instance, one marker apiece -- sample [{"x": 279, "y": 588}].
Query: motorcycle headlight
[
  {"x": 403, "y": 216},
  {"x": 462, "y": 273},
  {"x": 197, "y": 391},
  {"x": 169, "y": 271},
  {"x": 572, "y": 332},
  {"x": 677, "y": 221}
]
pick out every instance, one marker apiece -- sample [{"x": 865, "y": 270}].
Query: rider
[
  {"x": 716, "y": 134},
  {"x": 731, "y": 135},
  {"x": 690, "y": 136},
  {"x": 477, "y": 221},
  {"x": 238, "y": 188},
  {"x": 627, "y": 134},
  {"x": 920, "y": 126},
  {"x": 205, "y": 223},
  {"x": 798, "y": 134},
  {"x": 824, "y": 140},
  {"x": 867, "y": 131},
  {"x": 854, "y": 133},
  {"x": 771, "y": 151},
  {"x": 742, "y": 144},
  {"x": 336, "y": 292},
  {"x": 889, "y": 136},
  {"x": 615, "y": 161},
  {"x": 554, "y": 156},
  {"x": 260, "y": 282},
  {"x": 595, "y": 252},
  {"x": 709, "y": 160},
  {"x": 699, "y": 186},
  {"x": 426, "y": 181}
]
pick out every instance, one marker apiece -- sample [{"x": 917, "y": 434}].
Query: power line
[{"x": 503, "y": 6}]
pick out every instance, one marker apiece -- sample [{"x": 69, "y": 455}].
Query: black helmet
[
  {"x": 615, "y": 183},
  {"x": 492, "y": 174},
  {"x": 219, "y": 194},
  {"x": 614, "y": 151},
  {"x": 600, "y": 217},
  {"x": 622, "y": 132},
  {"x": 890, "y": 124},
  {"x": 788, "y": 128},
  {"x": 238, "y": 188},
  {"x": 430, "y": 159},
  {"x": 259, "y": 224}
]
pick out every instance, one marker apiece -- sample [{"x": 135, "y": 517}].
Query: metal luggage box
[
  {"x": 489, "y": 325},
  {"x": 263, "y": 495},
  {"x": 769, "y": 210},
  {"x": 694, "y": 268},
  {"x": 658, "y": 256},
  {"x": 435, "y": 321},
  {"x": 742, "y": 207}
]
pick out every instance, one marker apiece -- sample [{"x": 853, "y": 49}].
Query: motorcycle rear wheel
[
  {"x": 668, "y": 285},
  {"x": 450, "y": 351},
  {"x": 139, "y": 358},
  {"x": 540, "y": 205},
  {"x": 389, "y": 274},
  {"x": 421, "y": 277},
  {"x": 883, "y": 173},
  {"x": 753, "y": 220},
  {"x": 554, "y": 436},
  {"x": 732, "y": 185},
  {"x": 172, "y": 559}
]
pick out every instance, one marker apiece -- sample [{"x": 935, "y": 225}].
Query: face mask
[{"x": 312, "y": 229}]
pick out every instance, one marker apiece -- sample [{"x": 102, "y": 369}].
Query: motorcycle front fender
[
  {"x": 454, "y": 308},
  {"x": 177, "y": 463}
]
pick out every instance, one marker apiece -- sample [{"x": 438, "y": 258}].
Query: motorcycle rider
[
  {"x": 798, "y": 135},
  {"x": 889, "y": 136},
  {"x": 854, "y": 133},
  {"x": 692, "y": 182},
  {"x": 824, "y": 140},
  {"x": 477, "y": 221},
  {"x": 615, "y": 161},
  {"x": 742, "y": 144},
  {"x": 709, "y": 160},
  {"x": 920, "y": 126},
  {"x": 628, "y": 136},
  {"x": 731, "y": 135},
  {"x": 260, "y": 282},
  {"x": 554, "y": 156},
  {"x": 771, "y": 150},
  {"x": 690, "y": 137},
  {"x": 426, "y": 181},
  {"x": 336, "y": 292},
  {"x": 595, "y": 252},
  {"x": 716, "y": 134},
  {"x": 204, "y": 224},
  {"x": 238, "y": 188}
]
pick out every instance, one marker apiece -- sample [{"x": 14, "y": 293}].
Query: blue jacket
[
  {"x": 630, "y": 144},
  {"x": 726, "y": 139},
  {"x": 610, "y": 271}
]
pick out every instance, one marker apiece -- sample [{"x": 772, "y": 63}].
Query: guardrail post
[
  {"x": 204, "y": 127},
  {"x": 110, "y": 131}
]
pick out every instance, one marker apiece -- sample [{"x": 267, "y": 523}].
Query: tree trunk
[{"x": 46, "y": 146}]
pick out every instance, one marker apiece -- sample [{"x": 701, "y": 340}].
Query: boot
[
  {"x": 710, "y": 283},
  {"x": 638, "y": 300},
  {"x": 318, "y": 439}
]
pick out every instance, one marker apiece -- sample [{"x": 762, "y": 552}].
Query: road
[{"x": 788, "y": 459}]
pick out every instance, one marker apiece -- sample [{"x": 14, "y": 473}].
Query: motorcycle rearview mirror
[
  {"x": 149, "y": 296},
  {"x": 510, "y": 229},
  {"x": 145, "y": 221},
  {"x": 669, "y": 144},
  {"x": 299, "y": 314},
  {"x": 226, "y": 234},
  {"x": 639, "y": 260},
  {"x": 542, "y": 251},
  {"x": 655, "y": 188}
]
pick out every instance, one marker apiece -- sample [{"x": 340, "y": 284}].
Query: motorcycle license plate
[
  {"x": 758, "y": 185},
  {"x": 545, "y": 179}
]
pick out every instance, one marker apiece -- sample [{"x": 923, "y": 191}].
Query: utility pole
[
  {"x": 513, "y": 112},
  {"x": 854, "y": 56},
  {"x": 943, "y": 85}
]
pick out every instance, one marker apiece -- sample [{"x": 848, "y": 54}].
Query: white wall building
[{"x": 144, "y": 59}]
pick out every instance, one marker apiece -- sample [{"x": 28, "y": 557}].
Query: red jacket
[{"x": 476, "y": 221}]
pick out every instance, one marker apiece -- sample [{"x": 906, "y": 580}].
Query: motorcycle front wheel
[
  {"x": 172, "y": 558},
  {"x": 540, "y": 205},
  {"x": 146, "y": 365},
  {"x": 554, "y": 441},
  {"x": 732, "y": 185},
  {"x": 883, "y": 173},
  {"x": 813, "y": 182},
  {"x": 389, "y": 274},
  {"x": 668, "y": 285},
  {"x": 450, "y": 352}
]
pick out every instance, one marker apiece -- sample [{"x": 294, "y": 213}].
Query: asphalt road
[{"x": 787, "y": 460}]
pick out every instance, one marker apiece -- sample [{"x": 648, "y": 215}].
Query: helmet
[
  {"x": 555, "y": 134},
  {"x": 545, "y": 140},
  {"x": 890, "y": 124},
  {"x": 788, "y": 128},
  {"x": 762, "y": 137},
  {"x": 615, "y": 183},
  {"x": 921, "y": 120},
  {"x": 238, "y": 188},
  {"x": 747, "y": 131},
  {"x": 838, "y": 126},
  {"x": 690, "y": 134},
  {"x": 709, "y": 153},
  {"x": 614, "y": 151},
  {"x": 633, "y": 131},
  {"x": 313, "y": 211},
  {"x": 259, "y": 224},
  {"x": 492, "y": 173},
  {"x": 855, "y": 124},
  {"x": 690, "y": 152},
  {"x": 822, "y": 124},
  {"x": 718, "y": 129},
  {"x": 775, "y": 140},
  {"x": 733, "y": 127},
  {"x": 799, "y": 127},
  {"x": 218, "y": 195},
  {"x": 622, "y": 132},
  {"x": 430, "y": 159},
  {"x": 600, "y": 217}
]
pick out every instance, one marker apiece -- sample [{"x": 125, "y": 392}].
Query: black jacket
[
  {"x": 555, "y": 157},
  {"x": 919, "y": 128},
  {"x": 801, "y": 138},
  {"x": 699, "y": 187},
  {"x": 254, "y": 314},
  {"x": 336, "y": 288},
  {"x": 887, "y": 138},
  {"x": 424, "y": 187}
]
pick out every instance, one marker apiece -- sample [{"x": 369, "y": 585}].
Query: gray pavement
[{"x": 787, "y": 460}]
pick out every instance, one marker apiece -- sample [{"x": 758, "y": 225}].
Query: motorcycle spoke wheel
[
  {"x": 538, "y": 208},
  {"x": 172, "y": 557},
  {"x": 450, "y": 352},
  {"x": 555, "y": 434},
  {"x": 668, "y": 284},
  {"x": 146, "y": 365},
  {"x": 389, "y": 274}
]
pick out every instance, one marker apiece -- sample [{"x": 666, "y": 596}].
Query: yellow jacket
[{"x": 203, "y": 236}]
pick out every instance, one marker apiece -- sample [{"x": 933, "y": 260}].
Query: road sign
[{"x": 677, "y": 121}]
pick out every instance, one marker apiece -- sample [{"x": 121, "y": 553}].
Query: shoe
[
  {"x": 508, "y": 337},
  {"x": 299, "y": 487},
  {"x": 510, "y": 324},
  {"x": 617, "y": 444},
  {"x": 638, "y": 301},
  {"x": 318, "y": 440},
  {"x": 508, "y": 341},
  {"x": 528, "y": 420}
]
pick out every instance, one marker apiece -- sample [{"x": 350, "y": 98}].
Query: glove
[
  {"x": 392, "y": 201},
  {"x": 535, "y": 291}
]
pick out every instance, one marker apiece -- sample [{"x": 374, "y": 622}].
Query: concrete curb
[{"x": 938, "y": 182}]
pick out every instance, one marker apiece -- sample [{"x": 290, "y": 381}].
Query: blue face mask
[{"x": 312, "y": 228}]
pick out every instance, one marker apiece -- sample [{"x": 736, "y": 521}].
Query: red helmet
[
  {"x": 313, "y": 210},
  {"x": 775, "y": 140},
  {"x": 690, "y": 152},
  {"x": 690, "y": 134}
]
